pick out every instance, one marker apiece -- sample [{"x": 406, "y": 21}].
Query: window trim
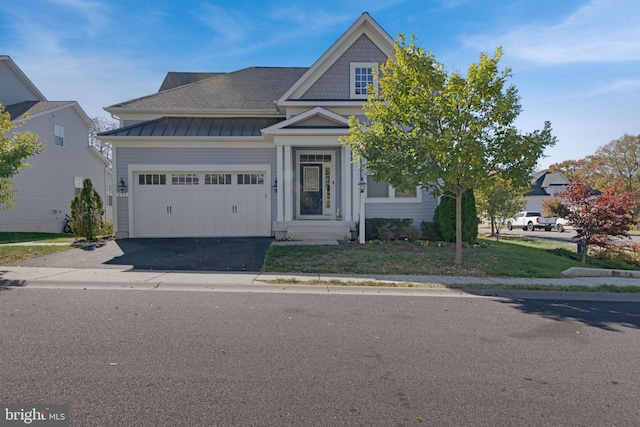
[
  {"x": 58, "y": 135},
  {"x": 392, "y": 196},
  {"x": 352, "y": 77}
]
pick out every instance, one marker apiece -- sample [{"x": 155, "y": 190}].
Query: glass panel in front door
[{"x": 311, "y": 189}]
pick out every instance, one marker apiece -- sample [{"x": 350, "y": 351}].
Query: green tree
[
  {"x": 445, "y": 218},
  {"x": 15, "y": 148},
  {"x": 619, "y": 160},
  {"x": 499, "y": 199},
  {"x": 86, "y": 212},
  {"x": 553, "y": 207},
  {"x": 622, "y": 157},
  {"x": 430, "y": 128}
]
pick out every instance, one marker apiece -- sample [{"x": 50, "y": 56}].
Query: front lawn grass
[
  {"x": 506, "y": 258},
  {"x": 13, "y": 254},
  {"x": 10, "y": 237}
]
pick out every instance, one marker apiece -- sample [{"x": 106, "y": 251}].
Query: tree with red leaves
[{"x": 599, "y": 217}]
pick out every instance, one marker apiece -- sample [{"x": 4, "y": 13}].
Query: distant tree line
[{"x": 617, "y": 161}]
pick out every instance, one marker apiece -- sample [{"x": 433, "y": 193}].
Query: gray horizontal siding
[
  {"x": 190, "y": 156},
  {"x": 418, "y": 211},
  {"x": 44, "y": 191},
  {"x": 335, "y": 82},
  {"x": 12, "y": 89}
]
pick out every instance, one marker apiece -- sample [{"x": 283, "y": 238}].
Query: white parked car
[
  {"x": 562, "y": 224},
  {"x": 529, "y": 221}
]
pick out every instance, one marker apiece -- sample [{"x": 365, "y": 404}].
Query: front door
[{"x": 310, "y": 189}]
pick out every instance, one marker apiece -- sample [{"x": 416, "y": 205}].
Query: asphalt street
[{"x": 178, "y": 358}]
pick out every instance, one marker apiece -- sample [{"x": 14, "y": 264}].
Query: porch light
[
  {"x": 362, "y": 184},
  {"x": 122, "y": 187},
  {"x": 275, "y": 186}
]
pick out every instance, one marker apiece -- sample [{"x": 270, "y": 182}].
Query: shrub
[
  {"x": 107, "y": 228},
  {"x": 86, "y": 212},
  {"x": 412, "y": 233},
  {"x": 445, "y": 218},
  {"x": 430, "y": 231},
  {"x": 386, "y": 228}
]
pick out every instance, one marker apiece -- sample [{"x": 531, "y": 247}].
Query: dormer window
[{"x": 361, "y": 77}]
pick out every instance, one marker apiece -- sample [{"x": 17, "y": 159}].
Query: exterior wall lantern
[
  {"x": 122, "y": 187},
  {"x": 275, "y": 185},
  {"x": 362, "y": 185}
]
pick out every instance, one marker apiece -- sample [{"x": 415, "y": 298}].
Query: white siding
[{"x": 45, "y": 190}]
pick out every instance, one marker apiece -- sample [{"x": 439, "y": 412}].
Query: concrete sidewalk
[{"x": 129, "y": 279}]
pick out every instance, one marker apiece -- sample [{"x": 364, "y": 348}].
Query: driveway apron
[{"x": 193, "y": 254}]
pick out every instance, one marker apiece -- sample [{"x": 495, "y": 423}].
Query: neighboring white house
[
  {"x": 255, "y": 152},
  {"x": 544, "y": 185},
  {"x": 45, "y": 190}
]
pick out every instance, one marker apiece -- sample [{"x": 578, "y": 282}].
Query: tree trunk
[
  {"x": 584, "y": 254},
  {"x": 459, "y": 226}
]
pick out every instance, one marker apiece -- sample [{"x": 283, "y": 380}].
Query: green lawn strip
[
  {"x": 505, "y": 258},
  {"x": 553, "y": 288},
  {"x": 10, "y": 237},
  {"x": 13, "y": 254}
]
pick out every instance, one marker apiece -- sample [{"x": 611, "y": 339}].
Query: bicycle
[{"x": 67, "y": 227}]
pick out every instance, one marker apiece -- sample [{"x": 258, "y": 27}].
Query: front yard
[
  {"x": 513, "y": 257},
  {"x": 47, "y": 243},
  {"x": 507, "y": 258}
]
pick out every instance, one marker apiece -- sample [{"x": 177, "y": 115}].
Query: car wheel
[
  {"x": 530, "y": 226},
  {"x": 560, "y": 228}
]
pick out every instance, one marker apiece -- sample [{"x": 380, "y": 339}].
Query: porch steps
[{"x": 316, "y": 230}]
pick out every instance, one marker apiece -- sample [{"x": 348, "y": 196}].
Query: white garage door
[{"x": 201, "y": 204}]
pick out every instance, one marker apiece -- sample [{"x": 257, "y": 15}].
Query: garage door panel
[
  {"x": 247, "y": 213},
  {"x": 205, "y": 204}
]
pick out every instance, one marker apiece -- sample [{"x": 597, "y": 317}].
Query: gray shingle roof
[
  {"x": 177, "y": 79},
  {"x": 197, "y": 126},
  {"x": 255, "y": 88},
  {"x": 33, "y": 107}
]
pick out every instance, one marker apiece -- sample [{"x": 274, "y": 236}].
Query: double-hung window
[
  {"x": 362, "y": 77},
  {"x": 58, "y": 135},
  {"x": 382, "y": 192}
]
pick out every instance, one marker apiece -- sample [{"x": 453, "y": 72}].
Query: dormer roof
[{"x": 366, "y": 31}]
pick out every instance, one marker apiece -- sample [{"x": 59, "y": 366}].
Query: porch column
[
  {"x": 279, "y": 183},
  {"x": 347, "y": 185},
  {"x": 288, "y": 184}
]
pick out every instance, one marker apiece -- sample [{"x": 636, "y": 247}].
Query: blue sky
[{"x": 575, "y": 63}]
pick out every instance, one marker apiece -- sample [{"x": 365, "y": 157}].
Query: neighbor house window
[
  {"x": 58, "y": 135},
  {"x": 361, "y": 78},
  {"x": 382, "y": 192}
]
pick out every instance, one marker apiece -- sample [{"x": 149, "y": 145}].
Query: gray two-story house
[{"x": 255, "y": 152}]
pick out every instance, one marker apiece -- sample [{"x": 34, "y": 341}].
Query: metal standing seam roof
[{"x": 197, "y": 127}]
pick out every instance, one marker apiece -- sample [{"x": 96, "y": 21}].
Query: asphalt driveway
[{"x": 193, "y": 254}]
